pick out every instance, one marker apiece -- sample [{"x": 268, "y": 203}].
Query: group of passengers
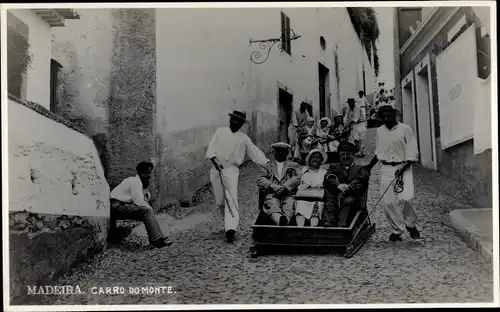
[
  {"x": 312, "y": 195},
  {"x": 305, "y": 136}
]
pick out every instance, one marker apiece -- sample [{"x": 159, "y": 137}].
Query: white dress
[{"x": 313, "y": 179}]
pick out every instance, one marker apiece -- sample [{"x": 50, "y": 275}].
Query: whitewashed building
[
  {"x": 153, "y": 84},
  {"x": 128, "y": 85},
  {"x": 205, "y": 69},
  {"x": 58, "y": 197}
]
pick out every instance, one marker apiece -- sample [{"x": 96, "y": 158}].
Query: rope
[
  {"x": 399, "y": 186},
  {"x": 373, "y": 209}
]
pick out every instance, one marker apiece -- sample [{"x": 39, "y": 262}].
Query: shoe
[
  {"x": 395, "y": 237},
  {"x": 230, "y": 236},
  {"x": 162, "y": 242},
  {"x": 283, "y": 221},
  {"x": 414, "y": 233}
]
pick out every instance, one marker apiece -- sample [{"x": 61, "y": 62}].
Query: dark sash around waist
[{"x": 389, "y": 163}]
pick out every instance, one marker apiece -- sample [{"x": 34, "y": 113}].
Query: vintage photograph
[{"x": 251, "y": 154}]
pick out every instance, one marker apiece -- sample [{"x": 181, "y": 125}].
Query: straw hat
[
  {"x": 281, "y": 145},
  {"x": 239, "y": 115},
  {"x": 323, "y": 154}
]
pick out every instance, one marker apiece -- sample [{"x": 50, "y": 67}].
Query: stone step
[{"x": 476, "y": 227}]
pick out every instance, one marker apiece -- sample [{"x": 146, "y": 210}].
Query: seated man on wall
[
  {"x": 345, "y": 183},
  {"x": 129, "y": 201},
  {"x": 278, "y": 182}
]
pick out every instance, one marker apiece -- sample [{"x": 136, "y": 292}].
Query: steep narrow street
[{"x": 203, "y": 269}]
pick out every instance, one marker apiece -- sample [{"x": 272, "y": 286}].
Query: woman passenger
[{"x": 311, "y": 184}]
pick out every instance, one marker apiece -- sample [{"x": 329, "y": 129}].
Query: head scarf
[
  {"x": 324, "y": 131},
  {"x": 309, "y": 129}
]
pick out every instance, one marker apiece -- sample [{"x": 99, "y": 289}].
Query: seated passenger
[
  {"x": 279, "y": 181},
  {"x": 324, "y": 137},
  {"x": 339, "y": 131},
  {"x": 310, "y": 193},
  {"x": 344, "y": 183},
  {"x": 307, "y": 135}
]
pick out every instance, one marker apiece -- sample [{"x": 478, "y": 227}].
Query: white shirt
[
  {"x": 131, "y": 190},
  {"x": 230, "y": 148},
  {"x": 312, "y": 178},
  {"x": 279, "y": 166},
  {"x": 396, "y": 145},
  {"x": 360, "y": 115}
]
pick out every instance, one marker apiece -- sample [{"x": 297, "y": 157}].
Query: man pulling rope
[{"x": 397, "y": 150}]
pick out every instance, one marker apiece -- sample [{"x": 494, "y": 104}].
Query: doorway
[
  {"x": 425, "y": 121},
  {"x": 285, "y": 108},
  {"x": 55, "y": 69},
  {"x": 410, "y": 116},
  {"x": 324, "y": 91}
]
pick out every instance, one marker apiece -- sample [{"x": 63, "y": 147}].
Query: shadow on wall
[
  {"x": 69, "y": 105},
  {"x": 70, "y": 84},
  {"x": 132, "y": 94}
]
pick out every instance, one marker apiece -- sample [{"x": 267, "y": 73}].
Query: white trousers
[
  {"x": 359, "y": 133},
  {"x": 230, "y": 190},
  {"x": 398, "y": 219}
]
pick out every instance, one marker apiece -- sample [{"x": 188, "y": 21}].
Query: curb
[{"x": 466, "y": 230}]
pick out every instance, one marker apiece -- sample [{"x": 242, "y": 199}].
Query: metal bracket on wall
[{"x": 267, "y": 44}]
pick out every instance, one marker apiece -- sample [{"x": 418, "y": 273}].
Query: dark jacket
[{"x": 351, "y": 176}]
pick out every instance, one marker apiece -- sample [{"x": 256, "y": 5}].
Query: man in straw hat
[
  {"x": 397, "y": 150},
  {"x": 227, "y": 150},
  {"x": 279, "y": 180},
  {"x": 298, "y": 122},
  {"x": 345, "y": 183},
  {"x": 355, "y": 119},
  {"x": 361, "y": 122}
]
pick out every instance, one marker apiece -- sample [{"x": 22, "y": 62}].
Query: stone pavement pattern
[{"x": 203, "y": 269}]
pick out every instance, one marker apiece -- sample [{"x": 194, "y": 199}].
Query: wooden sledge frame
[{"x": 269, "y": 239}]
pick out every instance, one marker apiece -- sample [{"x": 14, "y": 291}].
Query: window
[
  {"x": 285, "y": 33},
  {"x": 409, "y": 19},
  {"x": 55, "y": 69},
  {"x": 322, "y": 42},
  {"x": 18, "y": 56}
]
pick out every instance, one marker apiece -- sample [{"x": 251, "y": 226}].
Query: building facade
[
  {"x": 58, "y": 194},
  {"x": 103, "y": 89},
  {"x": 204, "y": 70},
  {"x": 445, "y": 93},
  {"x": 191, "y": 67}
]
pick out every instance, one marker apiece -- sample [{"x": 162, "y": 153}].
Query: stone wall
[
  {"x": 132, "y": 93},
  {"x": 58, "y": 198},
  {"x": 474, "y": 171},
  {"x": 84, "y": 48}
]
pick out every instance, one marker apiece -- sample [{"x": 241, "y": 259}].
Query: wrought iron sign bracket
[{"x": 267, "y": 44}]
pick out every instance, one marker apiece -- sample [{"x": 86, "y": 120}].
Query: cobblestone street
[{"x": 203, "y": 269}]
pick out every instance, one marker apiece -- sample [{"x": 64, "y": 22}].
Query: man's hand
[
  {"x": 364, "y": 172},
  {"x": 282, "y": 191},
  {"x": 400, "y": 172},
  {"x": 275, "y": 188},
  {"x": 355, "y": 185},
  {"x": 343, "y": 187},
  {"x": 216, "y": 164}
]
